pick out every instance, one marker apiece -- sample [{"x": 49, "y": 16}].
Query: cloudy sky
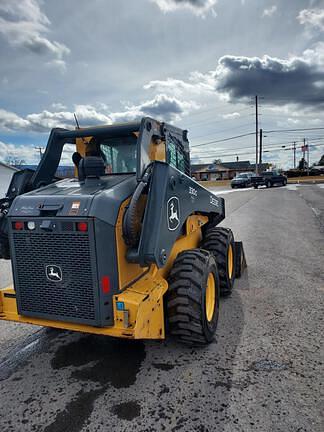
[{"x": 196, "y": 63}]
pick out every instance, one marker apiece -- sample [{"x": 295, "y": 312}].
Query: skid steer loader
[{"x": 127, "y": 248}]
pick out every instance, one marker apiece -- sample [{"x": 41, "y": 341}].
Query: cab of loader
[
  {"x": 124, "y": 148},
  {"x": 100, "y": 151},
  {"x": 130, "y": 235}
]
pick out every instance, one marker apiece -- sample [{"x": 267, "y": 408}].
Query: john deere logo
[
  {"x": 53, "y": 273},
  {"x": 173, "y": 210}
]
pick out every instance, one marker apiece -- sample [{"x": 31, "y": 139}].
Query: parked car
[
  {"x": 242, "y": 180},
  {"x": 269, "y": 179}
]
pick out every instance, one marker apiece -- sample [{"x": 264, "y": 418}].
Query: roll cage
[{"x": 149, "y": 131}]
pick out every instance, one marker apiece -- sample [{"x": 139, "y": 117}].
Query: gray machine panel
[
  {"x": 72, "y": 198},
  {"x": 172, "y": 197},
  {"x": 87, "y": 260}
]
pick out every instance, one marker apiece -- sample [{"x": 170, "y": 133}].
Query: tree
[
  {"x": 14, "y": 161},
  {"x": 217, "y": 161},
  {"x": 302, "y": 164}
]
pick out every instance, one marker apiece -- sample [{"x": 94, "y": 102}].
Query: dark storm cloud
[{"x": 297, "y": 80}]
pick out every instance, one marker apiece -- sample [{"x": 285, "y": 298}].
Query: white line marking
[
  {"x": 292, "y": 186},
  {"x": 19, "y": 352},
  {"x": 227, "y": 191},
  {"x": 316, "y": 211}
]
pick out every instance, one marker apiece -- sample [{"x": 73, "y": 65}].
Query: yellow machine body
[
  {"x": 141, "y": 287},
  {"x": 143, "y": 317}
]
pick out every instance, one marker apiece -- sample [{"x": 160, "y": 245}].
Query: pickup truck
[{"x": 268, "y": 179}]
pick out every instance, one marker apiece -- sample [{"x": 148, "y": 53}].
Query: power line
[
  {"x": 224, "y": 139},
  {"x": 296, "y": 141},
  {"x": 268, "y": 144},
  {"x": 213, "y": 121},
  {"x": 270, "y": 147},
  {"x": 222, "y": 130},
  {"x": 246, "y": 153},
  {"x": 223, "y": 121},
  {"x": 293, "y": 130},
  {"x": 253, "y": 133},
  {"x": 244, "y": 147},
  {"x": 215, "y": 108}
]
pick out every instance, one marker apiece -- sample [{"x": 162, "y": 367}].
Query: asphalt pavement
[{"x": 263, "y": 372}]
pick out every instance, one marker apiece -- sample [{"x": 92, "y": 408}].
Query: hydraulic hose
[{"x": 131, "y": 232}]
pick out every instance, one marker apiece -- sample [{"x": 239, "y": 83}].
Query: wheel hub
[
  {"x": 230, "y": 261},
  {"x": 210, "y": 297}
]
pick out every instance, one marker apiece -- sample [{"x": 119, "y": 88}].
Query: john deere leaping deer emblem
[
  {"x": 173, "y": 209},
  {"x": 53, "y": 273}
]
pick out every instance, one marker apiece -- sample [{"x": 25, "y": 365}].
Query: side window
[
  {"x": 171, "y": 153},
  {"x": 181, "y": 162},
  {"x": 176, "y": 154}
]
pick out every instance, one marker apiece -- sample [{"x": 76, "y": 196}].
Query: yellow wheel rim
[
  {"x": 230, "y": 261},
  {"x": 210, "y": 297}
]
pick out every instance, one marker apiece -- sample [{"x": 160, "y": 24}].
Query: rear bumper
[
  {"x": 9, "y": 312},
  {"x": 141, "y": 318},
  {"x": 239, "y": 184}
]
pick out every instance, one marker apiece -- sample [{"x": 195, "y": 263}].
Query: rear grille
[{"x": 71, "y": 299}]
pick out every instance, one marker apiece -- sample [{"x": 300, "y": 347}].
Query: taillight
[
  {"x": 105, "y": 284},
  {"x": 18, "y": 226},
  {"x": 82, "y": 226}
]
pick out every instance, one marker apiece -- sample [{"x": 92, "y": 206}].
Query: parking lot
[{"x": 262, "y": 373}]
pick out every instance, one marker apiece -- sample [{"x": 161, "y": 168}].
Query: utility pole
[
  {"x": 40, "y": 149},
  {"x": 260, "y": 149},
  {"x": 256, "y": 135},
  {"x": 304, "y": 147},
  {"x": 294, "y": 149},
  {"x": 307, "y": 159}
]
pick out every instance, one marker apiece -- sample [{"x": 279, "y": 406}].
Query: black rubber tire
[
  {"x": 186, "y": 299},
  {"x": 255, "y": 186},
  {"x": 217, "y": 241},
  {"x": 268, "y": 184}
]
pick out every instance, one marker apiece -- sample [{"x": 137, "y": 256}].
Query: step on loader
[{"x": 128, "y": 247}]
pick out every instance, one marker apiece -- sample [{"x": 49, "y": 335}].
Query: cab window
[
  {"x": 119, "y": 154},
  {"x": 175, "y": 153}
]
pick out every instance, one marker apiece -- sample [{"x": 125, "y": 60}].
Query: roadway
[{"x": 262, "y": 373}]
